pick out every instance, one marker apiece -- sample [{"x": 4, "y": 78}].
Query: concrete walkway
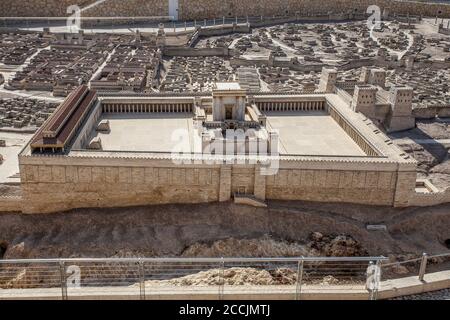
[{"x": 389, "y": 289}]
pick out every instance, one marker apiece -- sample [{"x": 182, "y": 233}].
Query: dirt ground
[{"x": 226, "y": 229}]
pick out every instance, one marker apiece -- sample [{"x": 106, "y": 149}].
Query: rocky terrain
[
  {"x": 433, "y": 156},
  {"x": 282, "y": 229}
]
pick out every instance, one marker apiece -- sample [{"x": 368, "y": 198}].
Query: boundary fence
[{"x": 213, "y": 278}]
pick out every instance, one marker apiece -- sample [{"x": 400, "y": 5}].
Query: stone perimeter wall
[
  {"x": 191, "y": 9},
  {"x": 201, "y": 9},
  {"x": 99, "y": 182},
  {"x": 10, "y": 203}
]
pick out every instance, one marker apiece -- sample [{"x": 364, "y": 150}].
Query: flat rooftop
[
  {"x": 146, "y": 132},
  {"x": 312, "y": 133},
  {"x": 228, "y": 86}
]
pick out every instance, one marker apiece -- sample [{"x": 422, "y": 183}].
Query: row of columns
[
  {"x": 147, "y": 108},
  {"x": 291, "y": 106},
  {"x": 352, "y": 133}
]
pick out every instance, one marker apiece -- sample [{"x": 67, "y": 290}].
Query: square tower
[
  {"x": 365, "y": 75},
  {"x": 400, "y": 116},
  {"x": 328, "y": 80},
  {"x": 364, "y": 99},
  {"x": 376, "y": 77}
]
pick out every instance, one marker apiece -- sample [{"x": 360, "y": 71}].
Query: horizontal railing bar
[
  {"x": 400, "y": 262},
  {"x": 415, "y": 260},
  {"x": 439, "y": 256},
  {"x": 193, "y": 260}
]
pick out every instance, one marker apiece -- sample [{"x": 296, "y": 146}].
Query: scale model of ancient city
[{"x": 281, "y": 121}]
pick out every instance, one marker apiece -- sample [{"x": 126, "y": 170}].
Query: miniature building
[
  {"x": 73, "y": 41},
  {"x": 389, "y": 107},
  {"x": 327, "y": 80},
  {"x": 161, "y": 36},
  {"x": 95, "y": 144},
  {"x": 228, "y": 102},
  {"x": 372, "y": 76},
  {"x": 57, "y": 133},
  {"x": 400, "y": 117},
  {"x": 444, "y": 29},
  {"x": 364, "y": 99},
  {"x": 103, "y": 126},
  {"x": 310, "y": 147}
]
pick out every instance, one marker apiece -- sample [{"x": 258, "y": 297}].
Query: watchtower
[
  {"x": 328, "y": 80},
  {"x": 400, "y": 116},
  {"x": 364, "y": 99}
]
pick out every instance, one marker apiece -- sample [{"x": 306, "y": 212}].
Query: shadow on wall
[
  {"x": 437, "y": 150},
  {"x": 3, "y": 248}
]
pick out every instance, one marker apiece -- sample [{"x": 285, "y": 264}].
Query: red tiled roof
[{"x": 59, "y": 128}]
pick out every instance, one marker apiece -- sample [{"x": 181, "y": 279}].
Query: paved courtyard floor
[
  {"x": 148, "y": 132},
  {"x": 9, "y": 168},
  {"x": 312, "y": 133}
]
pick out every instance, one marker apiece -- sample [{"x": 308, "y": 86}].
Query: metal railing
[
  {"x": 410, "y": 267},
  {"x": 143, "y": 278}
]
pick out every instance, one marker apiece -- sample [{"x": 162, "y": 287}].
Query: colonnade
[
  {"x": 146, "y": 107},
  {"x": 352, "y": 133},
  {"x": 291, "y": 106}
]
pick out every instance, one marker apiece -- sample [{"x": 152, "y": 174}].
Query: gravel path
[{"x": 434, "y": 295}]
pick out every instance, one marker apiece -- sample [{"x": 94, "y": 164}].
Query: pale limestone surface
[
  {"x": 154, "y": 131},
  {"x": 312, "y": 133},
  {"x": 14, "y": 144},
  {"x": 116, "y": 178}
]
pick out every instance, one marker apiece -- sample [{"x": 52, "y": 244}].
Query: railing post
[
  {"x": 221, "y": 278},
  {"x": 373, "y": 279},
  {"x": 377, "y": 279},
  {"x": 298, "y": 287},
  {"x": 63, "y": 278},
  {"x": 141, "y": 279},
  {"x": 423, "y": 266},
  {"x": 373, "y": 276}
]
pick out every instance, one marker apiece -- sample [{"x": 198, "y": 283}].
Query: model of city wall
[
  {"x": 101, "y": 182},
  {"x": 204, "y": 9}
]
